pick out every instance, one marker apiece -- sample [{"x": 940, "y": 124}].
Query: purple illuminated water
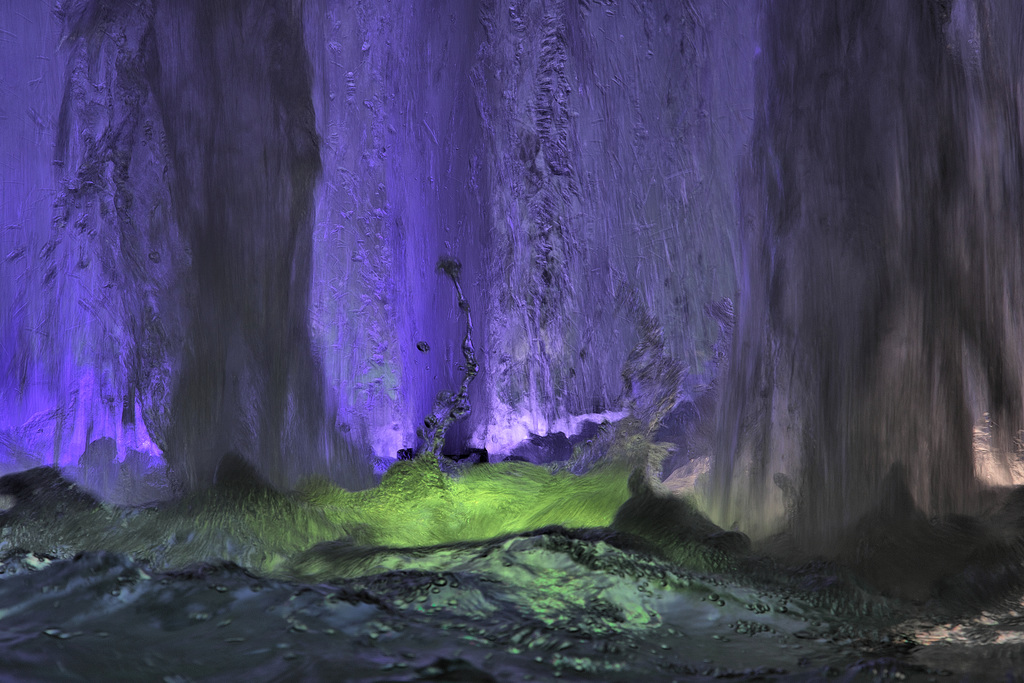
[{"x": 160, "y": 279}]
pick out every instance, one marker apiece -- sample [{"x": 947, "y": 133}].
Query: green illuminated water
[{"x": 502, "y": 572}]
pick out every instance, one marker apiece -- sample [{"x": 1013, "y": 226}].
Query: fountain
[{"x": 477, "y": 341}]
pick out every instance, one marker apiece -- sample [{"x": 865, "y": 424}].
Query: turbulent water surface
[{"x": 572, "y": 577}]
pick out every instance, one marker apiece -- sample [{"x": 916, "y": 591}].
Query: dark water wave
[{"x": 90, "y": 590}]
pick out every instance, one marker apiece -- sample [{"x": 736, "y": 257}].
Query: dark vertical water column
[
  {"x": 524, "y": 83},
  {"x": 233, "y": 83},
  {"x": 881, "y": 248}
]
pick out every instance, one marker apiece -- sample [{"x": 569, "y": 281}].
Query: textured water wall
[
  {"x": 577, "y": 159},
  {"x": 878, "y": 341}
]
